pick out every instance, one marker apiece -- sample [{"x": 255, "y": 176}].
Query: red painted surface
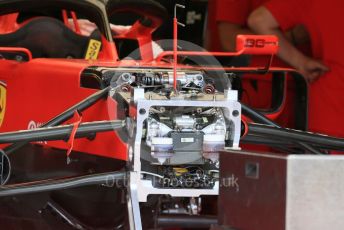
[{"x": 41, "y": 89}]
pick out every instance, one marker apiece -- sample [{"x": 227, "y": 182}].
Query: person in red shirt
[
  {"x": 226, "y": 20},
  {"x": 325, "y": 69}
]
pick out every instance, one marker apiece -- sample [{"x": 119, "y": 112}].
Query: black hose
[
  {"x": 297, "y": 136},
  {"x": 262, "y": 140},
  {"x": 257, "y": 116},
  {"x": 60, "y": 132},
  {"x": 283, "y": 145},
  {"x": 186, "y": 221},
  {"x": 260, "y": 118},
  {"x": 67, "y": 114},
  {"x": 109, "y": 179}
]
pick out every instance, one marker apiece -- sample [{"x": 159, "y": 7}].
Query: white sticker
[{"x": 187, "y": 140}]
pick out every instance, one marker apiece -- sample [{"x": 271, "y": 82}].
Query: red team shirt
[
  {"x": 232, "y": 11},
  {"x": 324, "y": 23}
]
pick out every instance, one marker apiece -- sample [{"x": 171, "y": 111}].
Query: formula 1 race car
[{"x": 97, "y": 134}]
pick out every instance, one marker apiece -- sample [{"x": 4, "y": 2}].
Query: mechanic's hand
[{"x": 311, "y": 68}]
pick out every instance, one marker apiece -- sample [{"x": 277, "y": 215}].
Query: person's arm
[
  {"x": 230, "y": 18},
  {"x": 298, "y": 35},
  {"x": 262, "y": 21},
  {"x": 228, "y": 33}
]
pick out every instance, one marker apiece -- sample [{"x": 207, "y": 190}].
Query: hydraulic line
[
  {"x": 257, "y": 116},
  {"x": 286, "y": 146},
  {"x": 260, "y": 118},
  {"x": 109, "y": 179},
  {"x": 67, "y": 114},
  {"x": 60, "y": 132},
  {"x": 297, "y": 136},
  {"x": 262, "y": 140},
  {"x": 186, "y": 221}
]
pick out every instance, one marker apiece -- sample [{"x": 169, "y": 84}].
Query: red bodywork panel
[{"x": 43, "y": 88}]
